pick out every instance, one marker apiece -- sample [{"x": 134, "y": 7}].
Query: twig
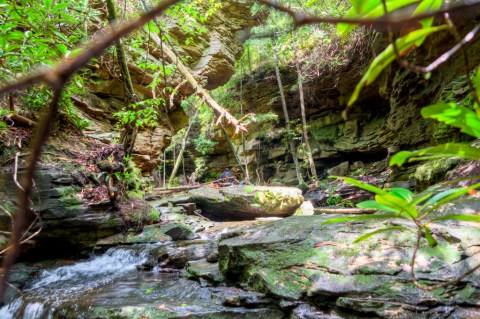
[
  {"x": 303, "y": 18},
  {"x": 444, "y": 284},
  {"x": 15, "y": 170}
]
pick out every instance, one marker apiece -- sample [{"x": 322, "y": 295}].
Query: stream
[{"x": 109, "y": 285}]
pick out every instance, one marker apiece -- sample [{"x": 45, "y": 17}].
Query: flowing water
[
  {"x": 68, "y": 284},
  {"x": 109, "y": 285}
]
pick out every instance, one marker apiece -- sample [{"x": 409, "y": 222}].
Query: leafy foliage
[
  {"x": 401, "y": 203},
  {"x": 141, "y": 114}
]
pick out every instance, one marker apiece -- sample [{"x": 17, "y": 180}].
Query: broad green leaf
[
  {"x": 359, "y": 218},
  {"x": 439, "y": 151},
  {"x": 402, "y": 193},
  {"x": 455, "y": 195},
  {"x": 454, "y": 115},
  {"x": 404, "y": 44},
  {"x": 428, "y": 236},
  {"x": 442, "y": 195},
  {"x": 371, "y": 204},
  {"x": 361, "y": 185},
  {"x": 427, "y": 6},
  {"x": 401, "y": 205},
  {"x": 462, "y": 217},
  {"x": 368, "y": 10},
  {"x": 382, "y": 230},
  {"x": 62, "y": 48},
  {"x": 60, "y": 7},
  {"x": 420, "y": 198},
  {"x": 47, "y": 4}
]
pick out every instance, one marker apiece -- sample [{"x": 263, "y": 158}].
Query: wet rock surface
[
  {"x": 294, "y": 267},
  {"x": 298, "y": 258}
]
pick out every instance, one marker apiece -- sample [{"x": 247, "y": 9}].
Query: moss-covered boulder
[
  {"x": 247, "y": 202},
  {"x": 299, "y": 258}
]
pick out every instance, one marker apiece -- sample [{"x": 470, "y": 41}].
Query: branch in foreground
[
  {"x": 56, "y": 79},
  {"x": 302, "y": 18},
  {"x": 69, "y": 66}
]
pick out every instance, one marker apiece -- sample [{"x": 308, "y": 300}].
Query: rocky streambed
[{"x": 186, "y": 266}]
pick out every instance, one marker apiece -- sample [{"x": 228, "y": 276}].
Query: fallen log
[
  {"x": 20, "y": 120},
  {"x": 352, "y": 211}
]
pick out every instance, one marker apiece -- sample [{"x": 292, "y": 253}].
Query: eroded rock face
[
  {"x": 299, "y": 258},
  {"x": 240, "y": 203},
  {"x": 211, "y": 57},
  {"x": 67, "y": 225}
]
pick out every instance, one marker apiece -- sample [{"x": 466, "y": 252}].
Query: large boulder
[
  {"x": 246, "y": 202},
  {"x": 299, "y": 258}
]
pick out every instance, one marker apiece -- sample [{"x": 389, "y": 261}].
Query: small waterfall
[{"x": 62, "y": 284}]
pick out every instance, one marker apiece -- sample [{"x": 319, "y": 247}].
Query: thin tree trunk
[
  {"x": 287, "y": 119},
  {"x": 247, "y": 175},
  {"x": 182, "y": 149},
  {"x": 304, "y": 126},
  {"x": 129, "y": 134},
  {"x": 11, "y": 102},
  {"x": 225, "y": 134},
  {"x": 164, "y": 168}
]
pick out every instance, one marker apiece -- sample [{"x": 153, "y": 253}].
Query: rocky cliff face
[
  {"x": 211, "y": 55},
  {"x": 386, "y": 117}
]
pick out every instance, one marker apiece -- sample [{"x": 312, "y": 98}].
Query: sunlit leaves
[
  {"x": 436, "y": 152},
  {"x": 454, "y": 115},
  {"x": 404, "y": 45},
  {"x": 402, "y": 203},
  {"x": 378, "y": 231},
  {"x": 369, "y": 9},
  {"x": 39, "y": 32}
]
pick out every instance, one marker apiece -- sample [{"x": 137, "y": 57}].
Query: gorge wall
[{"x": 385, "y": 117}]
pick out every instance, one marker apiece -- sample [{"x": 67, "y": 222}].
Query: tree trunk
[
  {"x": 129, "y": 134},
  {"x": 225, "y": 134},
  {"x": 287, "y": 119},
  {"x": 304, "y": 126},
  {"x": 182, "y": 149},
  {"x": 11, "y": 102},
  {"x": 247, "y": 175}
]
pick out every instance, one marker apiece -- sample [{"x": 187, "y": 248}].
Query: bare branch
[
  {"x": 57, "y": 78},
  {"x": 394, "y": 21}
]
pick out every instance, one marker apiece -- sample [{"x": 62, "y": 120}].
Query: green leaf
[
  {"x": 461, "y": 217},
  {"x": 382, "y": 230},
  {"x": 404, "y": 45},
  {"x": 455, "y": 195},
  {"x": 420, "y": 198},
  {"x": 439, "y": 151},
  {"x": 60, "y": 7},
  {"x": 361, "y": 185},
  {"x": 427, "y": 6},
  {"x": 359, "y": 218},
  {"x": 399, "y": 204},
  {"x": 402, "y": 193},
  {"x": 442, "y": 195},
  {"x": 454, "y": 115},
  {"x": 371, "y": 204},
  {"x": 62, "y": 48},
  {"x": 47, "y": 4},
  {"x": 368, "y": 10},
  {"x": 428, "y": 236}
]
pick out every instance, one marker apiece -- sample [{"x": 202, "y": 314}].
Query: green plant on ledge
[{"x": 401, "y": 203}]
